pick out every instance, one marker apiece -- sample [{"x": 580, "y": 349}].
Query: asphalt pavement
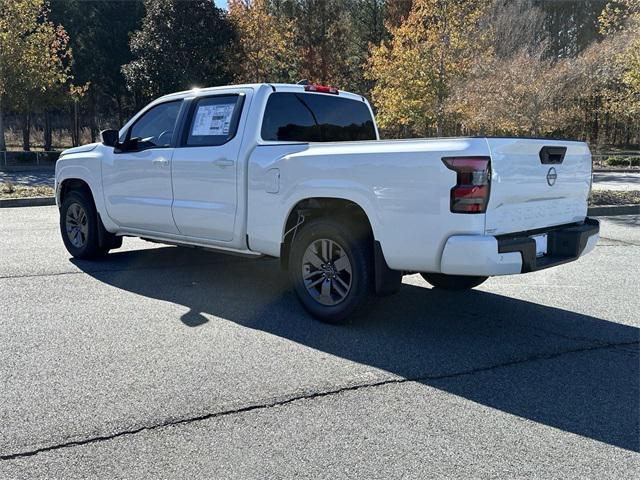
[
  {"x": 28, "y": 177},
  {"x": 617, "y": 181},
  {"x": 165, "y": 362}
]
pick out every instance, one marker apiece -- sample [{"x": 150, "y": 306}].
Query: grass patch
[
  {"x": 11, "y": 190},
  {"x": 610, "y": 197},
  {"x": 623, "y": 161}
]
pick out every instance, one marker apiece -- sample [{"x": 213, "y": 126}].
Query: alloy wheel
[
  {"x": 77, "y": 225},
  {"x": 326, "y": 272}
]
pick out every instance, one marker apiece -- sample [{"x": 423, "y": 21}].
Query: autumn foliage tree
[
  {"x": 414, "y": 71},
  {"x": 34, "y": 60},
  {"x": 323, "y": 44},
  {"x": 264, "y": 47},
  {"x": 522, "y": 95},
  {"x": 615, "y": 93},
  {"x": 617, "y": 14},
  {"x": 621, "y": 20},
  {"x": 531, "y": 77},
  {"x": 430, "y": 67},
  {"x": 396, "y": 11}
]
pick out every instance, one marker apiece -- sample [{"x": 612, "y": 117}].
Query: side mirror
[
  {"x": 132, "y": 145},
  {"x": 109, "y": 137}
]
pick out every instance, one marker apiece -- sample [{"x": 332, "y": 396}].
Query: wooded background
[{"x": 69, "y": 68}]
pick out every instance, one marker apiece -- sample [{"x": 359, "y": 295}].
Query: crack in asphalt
[
  {"x": 621, "y": 243},
  {"x": 311, "y": 396},
  {"x": 36, "y": 275}
]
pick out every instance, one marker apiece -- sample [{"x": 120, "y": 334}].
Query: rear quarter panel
[{"x": 402, "y": 186}]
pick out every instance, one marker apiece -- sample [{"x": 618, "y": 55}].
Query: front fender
[
  {"x": 87, "y": 169},
  {"x": 76, "y": 172}
]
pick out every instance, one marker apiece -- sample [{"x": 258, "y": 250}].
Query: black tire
[
  {"x": 453, "y": 282},
  {"x": 356, "y": 245},
  {"x": 86, "y": 244}
]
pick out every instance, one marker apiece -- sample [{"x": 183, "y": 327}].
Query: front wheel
[
  {"x": 331, "y": 267},
  {"x": 79, "y": 227},
  {"x": 453, "y": 282}
]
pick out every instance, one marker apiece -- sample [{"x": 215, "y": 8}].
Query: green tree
[
  {"x": 99, "y": 34},
  {"x": 570, "y": 25},
  {"x": 180, "y": 45},
  {"x": 34, "y": 59},
  {"x": 366, "y": 29}
]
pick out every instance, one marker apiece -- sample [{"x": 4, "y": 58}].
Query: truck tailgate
[{"x": 533, "y": 185}]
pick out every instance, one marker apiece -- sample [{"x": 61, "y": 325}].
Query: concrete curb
[
  {"x": 27, "y": 202},
  {"x": 612, "y": 210}
]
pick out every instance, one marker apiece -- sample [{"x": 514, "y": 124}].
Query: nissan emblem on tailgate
[{"x": 552, "y": 175}]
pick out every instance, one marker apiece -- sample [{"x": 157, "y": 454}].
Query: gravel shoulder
[{"x": 614, "y": 197}]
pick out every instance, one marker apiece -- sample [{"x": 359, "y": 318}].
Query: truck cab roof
[{"x": 275, "y": 87}]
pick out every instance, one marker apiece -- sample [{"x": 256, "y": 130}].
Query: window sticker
[{"x": 213, "y": 120}]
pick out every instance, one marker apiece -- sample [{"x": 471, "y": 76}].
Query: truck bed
[{"x": 404, "y": 187}]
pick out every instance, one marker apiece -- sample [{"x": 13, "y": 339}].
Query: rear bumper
[{"x": 511, "y": 254}]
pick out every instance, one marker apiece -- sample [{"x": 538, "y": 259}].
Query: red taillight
[
  {"x": 312, "y": 87},
  {"x": 471, "y": 193}
]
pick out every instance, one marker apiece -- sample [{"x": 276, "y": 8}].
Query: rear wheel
[
  {"x": 79, "y": 227},
  {"x": 453, "y": 282},
  {"x": 331, "y": 268}
]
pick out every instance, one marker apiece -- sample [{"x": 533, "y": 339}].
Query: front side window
[
  {"x": 155, "y": 127},
  {"x": 312, "y": 117}
]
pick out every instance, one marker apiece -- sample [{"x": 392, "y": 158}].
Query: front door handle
[
  {"x": 224, "y": 162},
  {"x": 161, "y": 162}
]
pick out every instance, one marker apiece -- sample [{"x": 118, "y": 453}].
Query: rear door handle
[
  {"x": 161, "y": 162},
  {"x": 224, "y": 162}
]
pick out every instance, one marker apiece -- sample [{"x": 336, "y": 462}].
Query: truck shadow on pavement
[{"x": 563, "y": 369}]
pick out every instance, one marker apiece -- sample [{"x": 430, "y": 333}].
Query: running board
[{"x": 191, "y": 244}]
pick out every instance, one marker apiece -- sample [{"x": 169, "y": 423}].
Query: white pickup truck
[{"x": 299, "y": 172}]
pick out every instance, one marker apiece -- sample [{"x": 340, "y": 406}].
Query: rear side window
[
  {"x": 312, "y": 117},
  {"x": 213, "y": 121}
]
